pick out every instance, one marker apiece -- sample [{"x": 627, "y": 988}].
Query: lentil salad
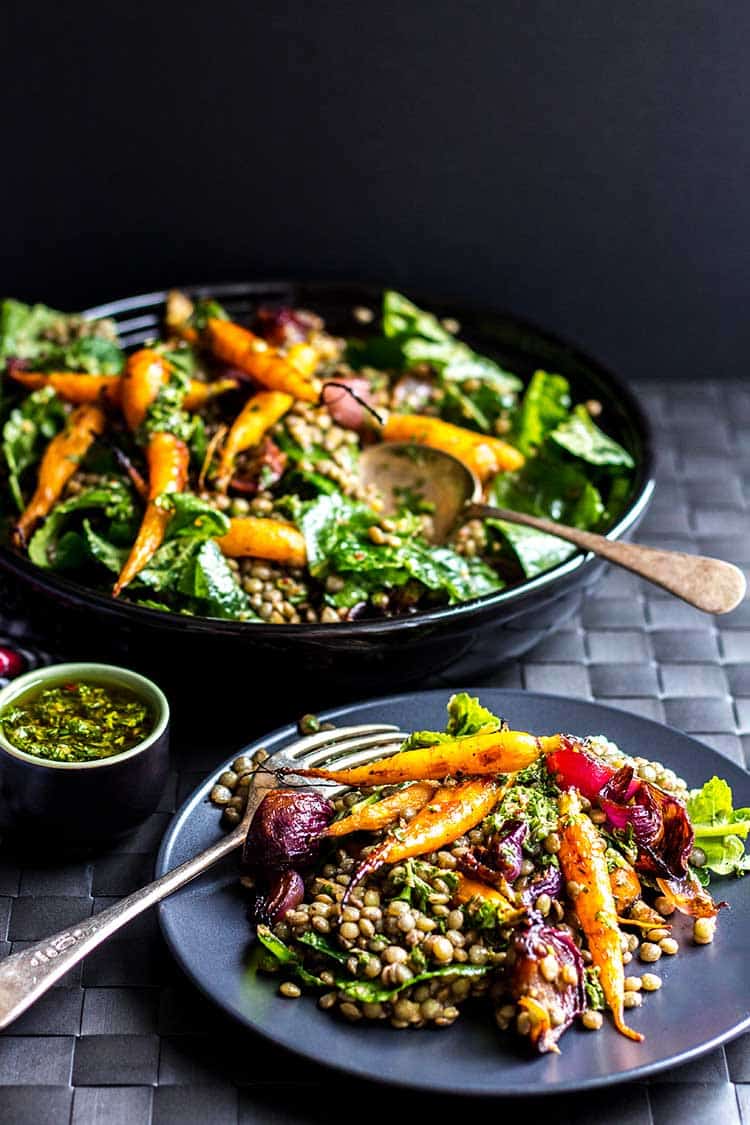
[
  {"x": 547, "y": 909},
  {"x": 188, "y": 489}
]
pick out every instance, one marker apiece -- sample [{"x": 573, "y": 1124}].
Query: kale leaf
[
  {"x": 580, "y": 436},
  {"x": 545, "y": 404}
]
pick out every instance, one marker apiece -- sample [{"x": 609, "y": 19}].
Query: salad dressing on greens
[{"x": 77, "y": 721}]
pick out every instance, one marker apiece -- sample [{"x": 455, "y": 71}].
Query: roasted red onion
[
  {"x": 343, "y": 407},
  {"x": 285, "y": 326},
  {"x": 284, "y": 892},
  {"x": 286, "y": 830},
  {"x": 661, "y": 827},
  {"x": 552, "y": 1004},
  {"x": 549, "y": 882}
]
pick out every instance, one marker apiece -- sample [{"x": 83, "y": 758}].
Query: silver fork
[{"x": 27, "y": 975}]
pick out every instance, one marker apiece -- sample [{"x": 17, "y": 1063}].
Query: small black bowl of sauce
[{"x": 83, "y": 753}]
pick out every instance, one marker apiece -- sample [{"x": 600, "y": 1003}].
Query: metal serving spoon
[{"x": 398, "y": 469}]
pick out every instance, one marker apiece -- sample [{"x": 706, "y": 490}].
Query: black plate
[
  {"x": 705, "y": 999},
  {"x": 337, "y": 661}
]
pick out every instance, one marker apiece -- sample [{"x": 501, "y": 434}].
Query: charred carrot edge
[
  {"x": 167, "y": 458},
  {"x": 450, "y": 812},
  {"x": 626, "y": 886},
  {"x": 383, "y": 813},
  {"x": 59, "y": 462},
  {"x": 251, "y": 537},
  {"x": 257, "y": 416},
  {"x": 484, "y": 456},
  {"x": 241, "y": 348},
  {"x": 504, "y": 751},
  {"x": 583, "y": 861}
]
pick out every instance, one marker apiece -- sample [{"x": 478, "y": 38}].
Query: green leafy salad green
[{"x": 301, "y": 471}]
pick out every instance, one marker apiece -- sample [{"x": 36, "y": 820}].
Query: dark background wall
[{"x": 584, "y": 164}]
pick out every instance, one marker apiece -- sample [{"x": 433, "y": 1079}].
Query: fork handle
[{"x": 25, "y": 976}]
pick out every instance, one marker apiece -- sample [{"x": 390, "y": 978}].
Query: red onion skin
[
  {"x": 343, "y": 407},
  {"x": 530, "y": 945},
  {"x": 286, "y": 831}
]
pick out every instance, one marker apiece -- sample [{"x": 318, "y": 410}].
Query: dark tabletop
[{"x": 125, "y": 1040}]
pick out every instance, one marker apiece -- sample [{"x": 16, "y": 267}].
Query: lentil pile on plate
[
  {"x": 547, "y": 887},
  {"x": 214, "y": 471}
]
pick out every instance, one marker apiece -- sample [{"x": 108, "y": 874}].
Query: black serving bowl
[
  {"x": 254, "y": 665},
  {"x": 70, "y": 805}
]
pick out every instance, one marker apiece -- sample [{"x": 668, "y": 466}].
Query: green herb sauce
[{"x": 77, "y": 722}]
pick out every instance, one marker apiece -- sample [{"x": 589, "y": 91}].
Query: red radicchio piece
[
  {"x": 285, "y": 326},
  {"x": 661, "y": 826},
  {"x": 551, "y": 1004},
  {"x": 286, "y": 831}
]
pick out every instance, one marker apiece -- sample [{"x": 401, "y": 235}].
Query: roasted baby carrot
[
  {"x": 383, "y": 813},
  {"x": 251, "y": 537},
  {"x": 71, "y": 386},
  {"x": 584, "y": 865},
  {"x": 256, "y": 417},
  {"x": 167, "y": 458},
  {"x": 484, "y": 456},
  {"x": 503, "y": 751},
  {"x": 60, "y": 461},
  {"x": 449, "y": 813},
  {"x": 241, "y": 348},
  {"x": 469, "y": 889},
  {"x": 145, "y": 374},
  {"x": 78, "y": 387}
]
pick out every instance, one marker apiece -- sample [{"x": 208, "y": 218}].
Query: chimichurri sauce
[{"x": 78, "y": 721}]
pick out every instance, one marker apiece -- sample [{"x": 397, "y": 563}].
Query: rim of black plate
[{"x": 76, "y": 594}]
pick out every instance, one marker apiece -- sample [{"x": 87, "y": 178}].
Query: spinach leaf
[
  {"x": 544, "y": 406},
  {"x": 115, "y": 501},
  {"x": 720, "y": 829},
  {"x": 93, "y": 354},
  {"x": 365, "y": 991},
  {"x": 193, "y": 517},
  {"x": 336, "y": 534},
  {"x": 545, "y": 487},
  {"x": 27, "y": 431},
  {"x": 580, "y": 436},
  {"x": 412, "y": 336},
  {"x": 196, "y": 569},
  {"x": 52, "y": 339},
  {"x": 103, "y": 551}
]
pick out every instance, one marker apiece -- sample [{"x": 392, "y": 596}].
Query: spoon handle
[
  {"x": 25, "y": 976},
  {"x": 708, "y": 584}
]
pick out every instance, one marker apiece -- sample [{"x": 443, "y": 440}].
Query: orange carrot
[
  {"x": 469, "y": 889},
  {"x": 242, "y": 348},
  {"x": 167, "y": 458},
  {"x": 251, "y": 537},
  {"x": 626, "y": 887},
  {"x": 504, "y": 751},
  {"x": 484, "y": 456},
  {"x": 60, "y": 461},
  {"x": 583, "y": 862},
  {"x": 80, "y": 387},
  {"x": 449, "y": 813},
  {"x": 256, "y": 417},
  {"x": 71, "y": 386},
  {"x": 198, "y": 393},
  {"x": 381, "y": 814},
  {"x": 145, "y": 374}
]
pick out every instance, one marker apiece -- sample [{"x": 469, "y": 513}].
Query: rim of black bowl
[
  {"x": 15, "y": 563},
  {"x": 149, "y": 691}
]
